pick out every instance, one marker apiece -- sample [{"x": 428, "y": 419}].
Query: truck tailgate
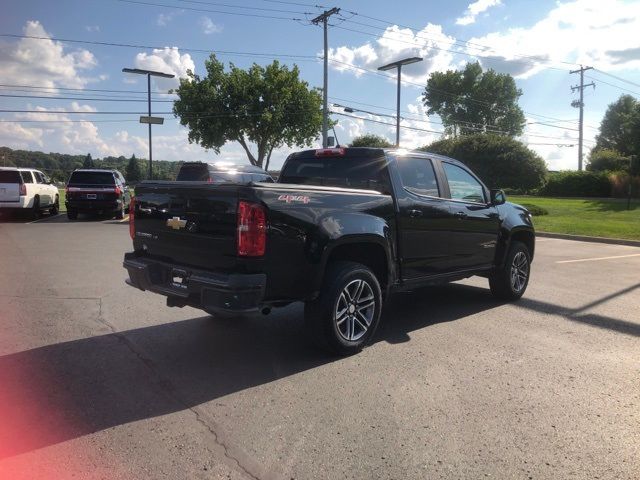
[{"x": 190, "y": 223}]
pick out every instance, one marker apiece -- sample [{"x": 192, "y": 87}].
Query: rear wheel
[
  {"x": 120, "y": 213},
  {"x": 72, "y": 214},
  {"x": 345, "y": 316},
  {"x": 35, "y": 210},
  {"x": 510, "y": 281},
  {"x": 56, "y": 206}
]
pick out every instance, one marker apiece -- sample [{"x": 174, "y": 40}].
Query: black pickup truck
[{"x": 340, "y": 230}]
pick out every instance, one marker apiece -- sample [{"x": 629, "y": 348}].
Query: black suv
[
  {"x": 222, "y": 172},
  {"x": 97, "y": 191}
]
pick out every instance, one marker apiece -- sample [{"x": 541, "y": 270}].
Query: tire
[
  {"x": 56, "y": 207},
  {"x": 72, "y": 214},
  {"x": 335, "y": 321},
  {"x": 35, "y": 210},
  {"x": 510, "y": 281},
  {"x": 120, "y": 213}
]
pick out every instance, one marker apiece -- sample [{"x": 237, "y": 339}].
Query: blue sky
[{"x": 509, "y": 36}]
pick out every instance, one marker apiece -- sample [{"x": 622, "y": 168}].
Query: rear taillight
[
  {"x": 117, "y": 191},
  {"x": 132, "y": 209},
  {"x": 23, "y": 189},
  {"x": 329, "y": 152},
  {"x": 252, "y": 229}
]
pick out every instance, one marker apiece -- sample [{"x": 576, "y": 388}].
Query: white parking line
[
  {"x": 125, "y": 219},
  {"x": 48, "y": 217},
  {"x": 599, "y": 258}
]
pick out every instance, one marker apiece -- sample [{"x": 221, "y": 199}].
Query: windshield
[{"x": 92, "y": 178}]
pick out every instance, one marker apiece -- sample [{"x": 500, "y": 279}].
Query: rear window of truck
[
  {"x": 356, "y": 172},
  {"x": 193, "y": 173},
  {"x": 9, "y": 176},
  {"x": 92, "y": 178}
]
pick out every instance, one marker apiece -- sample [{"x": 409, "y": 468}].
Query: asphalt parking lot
[{"x": 99, "y": 380}]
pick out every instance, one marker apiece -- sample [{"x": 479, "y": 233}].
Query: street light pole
[
  {"x": 398, "y": 65},
  {"x": 149, "y": 119}
]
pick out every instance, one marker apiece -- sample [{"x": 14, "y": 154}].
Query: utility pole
[
  {"x": 325, "y": 99},
  {"x": 580, "y": 104}
]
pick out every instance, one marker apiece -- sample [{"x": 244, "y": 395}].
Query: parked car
[
  {"x": 27, "y": 189},
  {"x": 341, "y": 230},
  {"x": 221, "y": 172},
  {"x": 97, "y": 191}
]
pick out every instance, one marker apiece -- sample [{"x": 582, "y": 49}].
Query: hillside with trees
[{"x": 60, "y": 165}]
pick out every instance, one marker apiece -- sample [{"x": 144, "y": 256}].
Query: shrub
[
  {"x": 620, "y": 185},
  {"x": 500, "y": 161},
  {"x": 370, "y": 140},
  {"x": 535, "y": 210},
  {"x": 607, "y": 160},
  {"x": 577, "y": 184}
]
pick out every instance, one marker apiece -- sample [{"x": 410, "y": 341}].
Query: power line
[
  {"x": 612, "y": 85},
  {"x": 245, "y": 7},
  {"x": 222, "y": 12},
  {"x": 82, "y": 89},
  {"x": 617, "y": 78},
  {"x": 157, "y": 47},
  {"x": 85, "y": 99},
  {"x": 458, "y": 41}
]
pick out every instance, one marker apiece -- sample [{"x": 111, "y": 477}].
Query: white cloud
[
  {"x": 167, "y": 60},
  {"x": 92, "y": 28},
  {"x": 397, "y": 43},
  {"x": 163, "y": 19},
  {"x": 474, "y": 9},
  {"x": 44, "y": 63},
  {"x": 208, "y": 27},
  {"x": 589, "y": 32}
]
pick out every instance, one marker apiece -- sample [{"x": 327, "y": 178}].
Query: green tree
[
  {"x": 88, "y": 162},
  {"x": 268, "y": 106},
  {"x": 500, "y": 161},
  {"x": 620, "y": 127},
  {"x": 471, "y": 101},
  {"x": 607, "y": 160},
  {"x": 370, "y": 140},
  {"x": 133, "y": 172}
]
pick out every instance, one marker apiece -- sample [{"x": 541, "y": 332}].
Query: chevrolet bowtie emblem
[{"x": 176, "y": 223}]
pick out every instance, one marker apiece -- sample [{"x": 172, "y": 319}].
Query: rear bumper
[
  {"x": 20, "y": 204},
  {"x": 94, "y": 205},
  {"x": 210, "y": 291}
]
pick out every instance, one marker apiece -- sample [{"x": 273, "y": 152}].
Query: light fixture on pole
[
  {"x": 149, "y": 119},
  {"x": 398, "y": 65}
]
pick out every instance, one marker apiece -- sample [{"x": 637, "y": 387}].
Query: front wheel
[
  {"x": 56, "y": 207},
  {"x": 510, "y": 281},
  {"x": 120, "y": 212},
  {"x": 344, "y": 318}
]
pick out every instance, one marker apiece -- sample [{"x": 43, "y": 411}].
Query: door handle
[
  {"x": 415, "y": 213},
  {"x": 461, "y": 215}
]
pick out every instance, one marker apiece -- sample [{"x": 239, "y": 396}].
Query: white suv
[{"x": 27, "y": 189}]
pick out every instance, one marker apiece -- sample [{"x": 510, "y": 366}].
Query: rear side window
[
  {"x": 26, "y": 177},
  {"x": 9, "y": 176},
  {"x": 462, "y": 185},
  {"x": 418, "y": 176},
  {"x": 39, "y": 177},
  {"x": 348, "y": 172},
  {"x": 92, "y": 178},
  {"x": 193, "y": 173}
]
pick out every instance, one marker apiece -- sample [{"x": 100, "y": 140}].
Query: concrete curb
[{"x": 583, "y": 238}]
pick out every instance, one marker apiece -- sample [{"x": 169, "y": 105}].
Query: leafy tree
[
  {"x": 472, "y": 101},
  {"x": 88, "y": 162},
  {"x": 607, "y": 160},
  {"x": 370, "y": 140},
  {"x": 269, "y": 106},
  {"x": 500, "y": 161},
  {"x": 133, "y": 173},
  {"x": 620, "y": 127}
]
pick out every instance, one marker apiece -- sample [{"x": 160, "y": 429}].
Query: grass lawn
[
  {"x": 607, "y": 217},
  {"x": 61, "y": 196}
]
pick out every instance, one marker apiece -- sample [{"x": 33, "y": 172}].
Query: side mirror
[{"x": 498, "y": 197}]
